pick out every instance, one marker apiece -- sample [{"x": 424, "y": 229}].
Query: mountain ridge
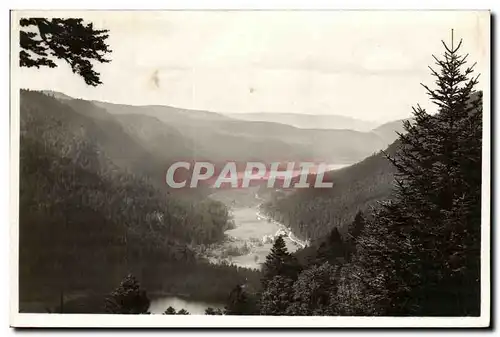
[
  {"x": 309, "y": 121},
  {"x": 313, "y": 213},
  {"x": 220, "y": 138},
  {"x": 88, "y": 215}
]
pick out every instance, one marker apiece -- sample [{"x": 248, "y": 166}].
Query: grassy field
[{"x": 250, "y": 232}]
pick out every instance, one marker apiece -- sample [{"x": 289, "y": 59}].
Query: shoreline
[
  {"x": 267, "y": 238},
  {"x": 287, "y": 230}
]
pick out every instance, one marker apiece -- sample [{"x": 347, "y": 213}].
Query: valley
[
  {"x": 93, "y": 185},
  {"x": 251, "y": 239},
  {"x": 252, "y": 163}
]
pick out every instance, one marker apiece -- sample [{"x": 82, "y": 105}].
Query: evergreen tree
[
  {"x": 170, "y": 311},
  {"x": 277, "y": 297},
  {"x": 445, "y": 148},
  {"x": 280, "y": 262},
  {"x": 356, "y": 227},
  {"x": 64, "y": 39},
  {"x": 351, "y": 297},
  {"x": 314, "y": 290},
  {"x": 422, "y": 252},
  {"x": 128, "y": 298},
  {"x": 333, "y": 250},
  {"x": 240, "y": 302},
  {"x": 212, "y": 311},
  {"x": 380, "y": 253},
  {"x": 354, "y": 230}
]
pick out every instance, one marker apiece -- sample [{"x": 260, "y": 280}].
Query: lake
[
  {"x": 253, "y": 234},
  {"x": 159, "y": 305},
  {"x": 252, "y": 231}
]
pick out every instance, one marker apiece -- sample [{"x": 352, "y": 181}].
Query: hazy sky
[{"x": 365, "y": 65}]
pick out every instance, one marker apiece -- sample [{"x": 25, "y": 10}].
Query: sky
[{"x": 365, "y": 65}]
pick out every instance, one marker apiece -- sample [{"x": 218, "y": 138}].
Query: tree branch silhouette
[{"x": 43, "y": 41}]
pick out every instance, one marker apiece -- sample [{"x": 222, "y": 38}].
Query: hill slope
[
  {"x": 88, "y": 215},
  {"x": 388, "y": 131},
  {"x": 312, "y": 213},
  {"x": 220, "y": 138},
  {"x": 307, "y": 121}
]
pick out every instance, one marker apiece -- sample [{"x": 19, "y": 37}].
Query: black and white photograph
[{"x": 251, "y": 168}]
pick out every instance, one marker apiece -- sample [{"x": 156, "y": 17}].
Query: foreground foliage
[
  {"x": 128, "y": 298},
  {"x": 89, "y": 214},
  {"x": 418, "y": 253},
  {"x": 43, "y": 41}
]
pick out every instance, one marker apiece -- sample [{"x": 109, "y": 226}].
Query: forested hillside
[
  {"x": 313, "y": 213},
  {"x": 418, "y": 253},
  {"x": 211, "y": 136},
  {"x": 138, "y": 144},
  {"x": 88, "y": 215},
  {"x": 400, "y": 233}
]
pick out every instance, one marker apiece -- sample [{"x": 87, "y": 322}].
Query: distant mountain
[
  {"x": 165, "y": 113},
  {"x": 306, "y": 121},
  {"x": 221, "y": 138},
  {"x": 56, "y": 94},
  {"x": 92, "y": 208},
  {"x": 388, "y": 130},
  {"x": 90, "y": 211},
  {"x": 218, "y": 138}
]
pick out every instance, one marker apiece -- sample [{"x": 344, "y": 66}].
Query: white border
[
  {"x": 197, "y": 321},
  {"x": 73, "y": 320},
  {"x": 261, "y": 5}
]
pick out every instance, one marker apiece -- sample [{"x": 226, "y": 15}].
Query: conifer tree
[
  {"x": 280, "y": 270},
  {"x": 332, "y": 250},
  {"x": 277, "y": 297},
  {"x": 240, "y": 302},
  {"x": 212, "y": 311},
  {"x": 381, "y": 254},
  {"x": 313, "y": 291},
  {"x": 420, "y": 255},
  {"x": 280, "y": 262},
  {"x": 351, "y": 297},
  {"x": 440, "y": 179},
  {"x": 356, "y": 227},
  {"x": 354, "y": 230},
  {"x": 170, "y": 311},
  {"x": 128, "y": 298}
]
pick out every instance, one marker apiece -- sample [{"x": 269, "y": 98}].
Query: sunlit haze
[{"x": 256, "y": 61}]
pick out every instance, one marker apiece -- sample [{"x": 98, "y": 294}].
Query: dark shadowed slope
[
  {"x": 165, "y": 144},
  {"x": 88, "y": 216},
  {"x": 218, "y": 138}
]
